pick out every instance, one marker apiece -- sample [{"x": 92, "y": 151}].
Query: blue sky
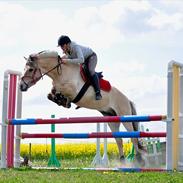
[{"x": 134, "y": 41}]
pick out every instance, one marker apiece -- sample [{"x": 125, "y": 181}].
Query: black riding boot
[{"x": 95, "y": 83}]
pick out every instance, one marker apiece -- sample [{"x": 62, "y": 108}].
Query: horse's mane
[{"x": 47, "y": 53}]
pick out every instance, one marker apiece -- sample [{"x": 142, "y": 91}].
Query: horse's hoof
[
  {"x": 49, "y": 96},
  {"x": 53, "y": 91},
  {"x": 68, "y": 105},
  {"x": 122, "y": 159},
  {"x": 77, "y": 107},
  {"x": 140, "y": 160},
  {"x": 25, "y": 161},
  {"x": 59, "y": 104}
]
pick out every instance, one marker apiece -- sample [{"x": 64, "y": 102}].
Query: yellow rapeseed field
[{"x": 69, "y": 151}]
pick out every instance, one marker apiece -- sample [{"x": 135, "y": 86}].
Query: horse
[{"x": 67, "y": 80}]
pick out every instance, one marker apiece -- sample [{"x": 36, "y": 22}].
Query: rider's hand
[
  {"x": 64, "y": 61},
  {"x": 64, "y": 57}
]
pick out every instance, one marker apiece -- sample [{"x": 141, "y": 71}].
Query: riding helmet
[{"x": 63, "y": 40}]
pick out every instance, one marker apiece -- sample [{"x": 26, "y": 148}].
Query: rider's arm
[{"x": 79, "y": 54}]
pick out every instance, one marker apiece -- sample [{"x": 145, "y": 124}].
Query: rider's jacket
[{"x": 78, "y": 53}]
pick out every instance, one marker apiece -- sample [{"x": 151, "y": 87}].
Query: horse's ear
[
  {"x": 33, "y": 57},
  {"x": 26, "y": 58}
]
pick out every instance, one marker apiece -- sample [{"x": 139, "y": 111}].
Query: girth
[
  {"x": 82, "y": 91},
  {"x": 84, "y": 71}
]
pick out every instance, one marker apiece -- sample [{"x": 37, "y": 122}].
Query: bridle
[{"x": 31, "y": 63}]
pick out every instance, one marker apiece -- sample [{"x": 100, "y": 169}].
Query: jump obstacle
[
  {"x": 155, "y": 150},
  {"x": 174, "y": 119},
  {"x": 53, "y": 161}
]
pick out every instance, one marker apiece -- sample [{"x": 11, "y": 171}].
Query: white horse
[{"x": 67, "y": 80}]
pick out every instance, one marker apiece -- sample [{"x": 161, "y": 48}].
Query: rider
[{"x": 78, "y": 54}]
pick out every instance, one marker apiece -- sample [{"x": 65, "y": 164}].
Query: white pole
[
  {"x": 18, "y": 128},
  {"x": 4, "y": 126},
  {"x": 97, "y": 159},
  {"x": 105, "y": 160},
  {"x": 170, "y": 159},
  {"x": 4, "y": 116},
  {"x": 169, "y": 145}
]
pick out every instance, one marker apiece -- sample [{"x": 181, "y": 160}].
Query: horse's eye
[{"x": 30, "y": 70}]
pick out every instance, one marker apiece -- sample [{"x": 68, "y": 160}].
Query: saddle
[
  {"x": 62, "y": 100},
  {"x": 104, "y": 84}
]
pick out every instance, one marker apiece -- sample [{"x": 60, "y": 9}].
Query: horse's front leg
[{"x": 58, "y": 98}]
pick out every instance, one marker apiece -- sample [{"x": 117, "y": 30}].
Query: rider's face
[{"x": 65, "y": 48}]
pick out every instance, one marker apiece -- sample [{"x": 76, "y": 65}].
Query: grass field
[
  {"x": 79, "y": 155},
  {"x": 28, "y": 175},
  {"x": 73, "y": 176}
]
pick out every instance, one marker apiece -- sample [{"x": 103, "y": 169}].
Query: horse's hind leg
[
  {"x": 119, "y": 141},
  {"x": 129, "y": 127},
  {"x": 138, "y": 147},
  {"x": 115, "y": 128}
]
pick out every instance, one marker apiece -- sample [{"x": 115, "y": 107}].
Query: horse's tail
[
  {"x": 133, "y": 109},
  {"x": 134, "y": 112}
]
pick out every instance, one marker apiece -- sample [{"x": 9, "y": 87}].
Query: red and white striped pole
[
  {"x": 11, "y": 104},
  {"x": 11, "y": 114}
]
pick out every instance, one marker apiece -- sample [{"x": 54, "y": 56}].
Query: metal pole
[
  {"x": 17, "y": 160},
  {"x": 180, "y": 161},
  {"x": 169, "y": 144},
  {"x": 97, "y": 160},
  {"x": 4, "y": 125},
  {"x": 105, "y": 160},
  {"x": 53, "y": 161}
]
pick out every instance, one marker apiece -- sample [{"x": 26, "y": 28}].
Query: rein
[
  {"x": 57, "y": 66},
  {"x": 37, "y": 79}
]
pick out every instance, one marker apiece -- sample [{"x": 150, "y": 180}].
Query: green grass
[
  {"x": 28, "y": 175},
  {"x": 66, "y": 163},
  {"x": 74, "y": 176}
]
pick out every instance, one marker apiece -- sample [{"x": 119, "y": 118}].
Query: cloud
[
  {"x": 163, "y": 20},
  {"x": 114, "y": 11},
  {"x": 125, "y": 68},
  {"x": 23, "y": 26},
  {"x": 104, "y": 28},
  {"x": 96, "y": 26},
  {"x": 176, "y": 5}
]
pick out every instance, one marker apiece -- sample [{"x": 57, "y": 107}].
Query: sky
[{"x": 134, "y": 41}]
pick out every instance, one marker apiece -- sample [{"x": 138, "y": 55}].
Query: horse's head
[
  {"x": 38, "y": 65},
  {"x": 32, "y": 73}
]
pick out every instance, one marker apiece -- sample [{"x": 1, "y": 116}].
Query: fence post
[{"x": 53, "y": 161}]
